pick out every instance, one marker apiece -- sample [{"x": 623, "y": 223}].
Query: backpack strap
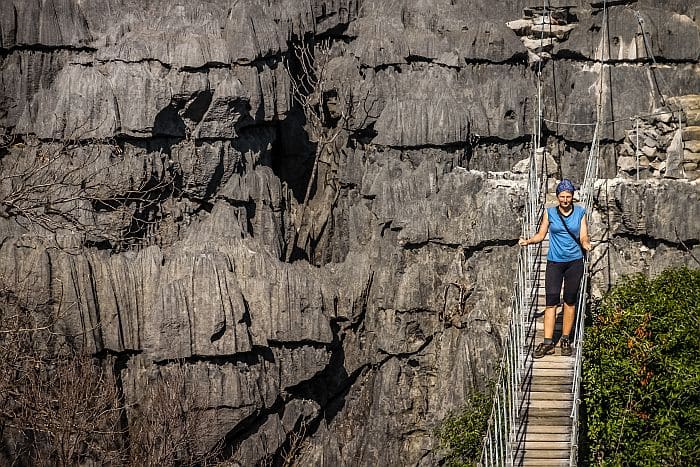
[{"x": 563, "y": 221}]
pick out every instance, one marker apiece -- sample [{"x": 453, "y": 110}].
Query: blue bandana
[{"x": 565, "y": 185}]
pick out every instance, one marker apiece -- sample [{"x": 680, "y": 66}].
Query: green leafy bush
[
  {"x": 641, "y": 373},
  {"x": 461, "y": 435}
]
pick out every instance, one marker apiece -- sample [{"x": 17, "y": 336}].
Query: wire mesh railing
[
  {"x": 586, "y": 199},
  {"x": 498, "y": 446},
  {"x": 501, "y": 440},
  {"x": 503, "y": 430},
  {"x": 578, "y": 335}
]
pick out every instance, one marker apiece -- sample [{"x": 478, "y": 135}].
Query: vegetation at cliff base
[
  {"x": 641, "y": 373},
  {"x": 461, "y": 435}
]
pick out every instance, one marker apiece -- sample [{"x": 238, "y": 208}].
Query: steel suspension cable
[
  {"x": 501, "y": 435},
  {"x": 587, "y": 193}
]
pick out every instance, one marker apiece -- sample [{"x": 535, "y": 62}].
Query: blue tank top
[{"x": 562, "y": 247}]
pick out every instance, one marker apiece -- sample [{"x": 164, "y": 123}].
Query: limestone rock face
[
  {"x": 664, "y": 32},
  {"x": 341, "y": 279},
  {"x": 649, "y": 210},
  {"x": 52, "y": 23}
]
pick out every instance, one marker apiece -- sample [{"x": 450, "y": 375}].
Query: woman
[{"x": 568, "y": 237}]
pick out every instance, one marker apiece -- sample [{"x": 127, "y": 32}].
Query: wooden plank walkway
[{"x": 544, "y": 437}]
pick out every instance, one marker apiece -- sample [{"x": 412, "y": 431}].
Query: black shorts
[{"x": 570, "y": 273}]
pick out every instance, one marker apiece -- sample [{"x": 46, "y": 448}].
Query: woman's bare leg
[
  {"x": 549, "y": 320},
  {"x": 568, "y": 320}
]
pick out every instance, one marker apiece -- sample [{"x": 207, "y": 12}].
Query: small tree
[
  {"x": 326, "y": 107},
  {"x": 461, "y": 435},
  {"x": 80, "y": 186},
  {"x": 167, "y": 422},
  {"x": 58, "y": 406},
  {"x": 333, "y": 105},
  {"x": 641, "y": 373}
]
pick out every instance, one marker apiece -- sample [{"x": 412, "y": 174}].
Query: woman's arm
[
  {"x": 583, "y": 236},
  {"x": 541, "y": 233}
]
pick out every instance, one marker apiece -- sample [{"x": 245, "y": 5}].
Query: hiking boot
[
  {"x": 543, "y": 349},
  {"x": 565, "y": 347}
]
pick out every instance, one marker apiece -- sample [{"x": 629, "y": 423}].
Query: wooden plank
[
  {"x": 554, "y": 380},
  {"x": 548, "y": 384},
  {"x": 535, "y": 413},
  {"x": 534, "y": 340},
  {"x": 547, "y": 445},
  {"x": 549, "y": 429},
  {"x": 553, "y": 362},
  {"x": 538, "y": 420},
  {"x": 552, "y": 372},
  {"x": 549, "y": 395},
  {"x": 535, "y": 462},
  {"x": 556, "y": 358},
  {"x": 538, "y": 413},
  {"x": 549, "y": 368},
  {"x": 549, "y": 404},
  {"x": 544, "y": 454},
  {"x": 534, "y": 386},
  {"x": 548, "y": 437},
  {"x": 557, "y": 350},
  {"x": 550, "y": 379},
  {"x": 561, "y": 363}
]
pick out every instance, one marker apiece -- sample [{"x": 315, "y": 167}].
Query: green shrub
[
  {"x": 461, "y": 435},
  {"x": 641, "y": 373}
]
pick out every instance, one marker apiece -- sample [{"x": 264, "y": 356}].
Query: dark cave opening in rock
[{"x": 293, "y": 154}]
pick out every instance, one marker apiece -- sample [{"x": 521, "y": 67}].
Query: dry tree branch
[
  {"x": 57, "y": 405},
  {"x": 313, "y": 90},
  {"x": 60, "y": 406},
  {"x": 70, "y": 185},
  {"x": 167, "y": 420},
  {"x": 685, "y": 247},
  {"x": 296, "y": 444}
]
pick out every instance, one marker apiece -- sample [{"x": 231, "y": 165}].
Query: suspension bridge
[
  {"x": 534, "y": 417},
  {"x": 535, "y": 411}
]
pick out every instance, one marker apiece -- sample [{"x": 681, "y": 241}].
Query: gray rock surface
[
  {"x": 155, "y": 168},
  {"x": 671, "y": 33},
  {"x": 674, "y": 161}
]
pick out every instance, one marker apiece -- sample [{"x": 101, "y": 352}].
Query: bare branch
[
  {"x": 327, "y": 107},
  {"x": 685, "y": 247}
]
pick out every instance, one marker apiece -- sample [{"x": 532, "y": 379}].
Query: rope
[
  {"x": 632, "y": 118},
  {"x": 649, "y": 52},
  {"x": 587, "y": 198},
  {"x": 636, "y": 151},
  {"x": 539, "y": 76}
]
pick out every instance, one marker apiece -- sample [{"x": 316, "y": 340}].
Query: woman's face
[{"x": 565, "y": 199}]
